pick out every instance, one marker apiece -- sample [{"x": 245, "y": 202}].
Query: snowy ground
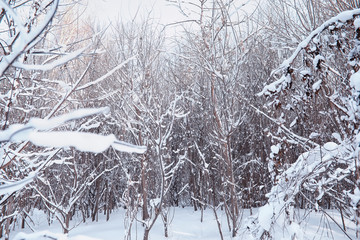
[{"x": 185, "y": 225}]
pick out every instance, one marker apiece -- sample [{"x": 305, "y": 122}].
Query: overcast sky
[
  {"x": 127, "y": 9},
  {"x": 161, "y": 11}
]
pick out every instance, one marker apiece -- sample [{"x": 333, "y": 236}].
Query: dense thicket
[{"x": 192, "y": 99}]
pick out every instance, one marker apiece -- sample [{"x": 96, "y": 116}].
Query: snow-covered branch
[
  {"x": 306, "y": 173},
  {"x": 108, "y": 74},
  {"x": 285, "y": 80},
  {"x": 36, "y": 131},
  {"x": 13, "y": 186},
  {"x": 47, "y": 67},
  {"x": 24, "y": 38}
]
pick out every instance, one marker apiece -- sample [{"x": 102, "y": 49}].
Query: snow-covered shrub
[{"x": 318, "y": 83}]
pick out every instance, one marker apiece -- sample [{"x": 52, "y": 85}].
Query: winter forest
[{"x": 245, "y": 114}]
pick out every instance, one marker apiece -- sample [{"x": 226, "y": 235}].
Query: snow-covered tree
[
  {"x": 319, "y": 82},
  {"x": 31, "y": 134},
  {"x": 213, "y": 50}
]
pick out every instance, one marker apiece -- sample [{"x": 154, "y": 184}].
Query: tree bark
[
  {"x": 145, "y": 212},
  {"x": 146, "y": 234}
]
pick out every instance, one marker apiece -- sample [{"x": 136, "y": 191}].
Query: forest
[{"x": 248, "y": 105}]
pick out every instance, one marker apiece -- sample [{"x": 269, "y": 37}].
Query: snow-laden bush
[{"x": 319, "y": 82}]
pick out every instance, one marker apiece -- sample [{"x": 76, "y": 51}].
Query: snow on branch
[
  {"x": 108, "y": 74},
  {"x": 24, "y": 39},
  {"x": 37, "y": 132},
  {"x": 47, "y": 67},
  {"x": 306, "y": 172},
  {"x": 284, "y": 81},
  {"x": 13, "y": 186}
]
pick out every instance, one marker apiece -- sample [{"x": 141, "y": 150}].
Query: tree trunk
[
  {"x": 146, "y": 234},
  {"x": 233, "y": 201},
  {"x": 145, "y": 212},
  {"x": 202, "y": 214},
  {"x": 23, "y": 223},
  {"x": 67, "y": 223},
  {"x": 357, "y": 211},
  {"x": 94, "y": 212},
  {"x": 165, "y": 219},
  {"x": 108, "y": 213}
]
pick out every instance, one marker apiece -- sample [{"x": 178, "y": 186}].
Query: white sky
[{"x": 160, "y": 10}]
